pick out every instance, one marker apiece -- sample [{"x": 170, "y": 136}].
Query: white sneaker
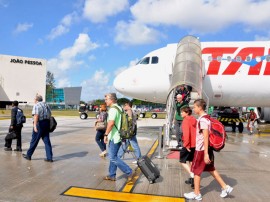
[
  {"x": 103, "y": 154},
  {"x": 192, "y": 195},
  {"x": 134, "y": 162},
  {"x": 226, "y": 191}
]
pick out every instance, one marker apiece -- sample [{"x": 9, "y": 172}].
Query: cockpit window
[
  {"x": 145, "y": 60},
  {"x": 154, "y": 60}
]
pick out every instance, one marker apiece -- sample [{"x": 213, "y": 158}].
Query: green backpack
[{"x": 127, "y": 128}]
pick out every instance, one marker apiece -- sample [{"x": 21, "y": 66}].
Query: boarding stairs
[{"x": 187, "y": 69}]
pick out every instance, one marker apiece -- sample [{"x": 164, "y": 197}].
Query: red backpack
[{"x": 217, "y": 134}]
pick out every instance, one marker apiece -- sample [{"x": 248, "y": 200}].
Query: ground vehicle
[{"x": 230, "y": 117}]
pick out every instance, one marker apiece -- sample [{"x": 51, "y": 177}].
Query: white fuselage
[{"x": 242, "y": 80}]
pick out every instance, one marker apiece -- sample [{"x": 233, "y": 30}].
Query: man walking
[
  {"x": 41, "y": 126},
  {"x": 112, "y": 137},
  {"x": 133, "y": 140},
  {"x": 16, "y": 127}
]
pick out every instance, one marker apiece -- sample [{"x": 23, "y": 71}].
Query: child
[
  {"x": 189, "y": 140},
  {"x": 204, "y": 156}
]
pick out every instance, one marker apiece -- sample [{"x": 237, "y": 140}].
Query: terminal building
[
  {"x": 21, "y": 79},
  {"x": 64, "y": 98}
]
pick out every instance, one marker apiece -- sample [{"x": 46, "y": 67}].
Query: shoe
[
  {"x": 26, "y": 157},
  {"x": 109, "y": 178},
  {"x": 48, "y": 160},
  {"x": 8, "y": 149},
  {"x": 103, "y": 154},
  {"x": 134, "y": 162},
  {"x": 129, "y": 179},
  {"x": 192, "y": 195},
  {"x": 226, "y": 191},
  {"x": 18, "y": 149}
]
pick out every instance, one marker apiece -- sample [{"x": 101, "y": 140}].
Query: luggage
[{"x": 148, "y": 168}]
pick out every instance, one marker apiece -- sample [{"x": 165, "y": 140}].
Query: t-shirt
[
  {"x": 204, "y": 124},
  {"x": 178, "y": 116},
  {"x": 114, "y": 115}
]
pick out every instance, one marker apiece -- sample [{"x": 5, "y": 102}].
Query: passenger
[
  {"x": 178, "y": 119},
  {"x": 204, "y": 156},
  {"x": 183, "y": 90},
  {"x": 251, "y": 120},
  {"x": 41, "y": 126},
  {"x": 189, "y": 142},
  {"x": 133, "y": 141},
  {"x": 100, "y": 132},
  {"x": 112, "y": 137},
  {"x": 17, "y": 128}
]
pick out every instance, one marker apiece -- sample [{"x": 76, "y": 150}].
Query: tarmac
[{"x": 77, "y": 171}]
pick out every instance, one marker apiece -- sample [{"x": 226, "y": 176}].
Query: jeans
[
  {"x": 100, "y": 140},
  {"x": 134, "y": 143},
  {"x": 178, "y": 130},
  {"x": 115, "y": 161},
  {"x": 43, "y": 132}
]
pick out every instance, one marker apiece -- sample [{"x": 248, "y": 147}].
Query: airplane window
[
  {"x": 154, "y": 60},
  {"x": 145, "y": 60},
  {"x": 268, "y": 58},
  {"x": 219, "y": 58},
  {"x": 210, "y": 58},
  {"x": 248, "y": 59},
  {"x": 238, "y": 58},
  {"x": 229, "y": 58}
]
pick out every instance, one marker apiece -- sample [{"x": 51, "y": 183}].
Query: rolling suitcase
[{"x": 148, "y": 168}]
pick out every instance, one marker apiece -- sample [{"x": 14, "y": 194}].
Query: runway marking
[
  {"x": 262, "y": 135},
  {"x": 117, "y": 196},
  {"x": 126, "y": 194}
]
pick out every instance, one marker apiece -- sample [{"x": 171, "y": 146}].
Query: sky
[{"x": 88, "y": 42}]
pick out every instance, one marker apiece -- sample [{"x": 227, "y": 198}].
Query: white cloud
[
  {"x": 99, "y": 10},
  {"x": 63, "y": 26},
  {"x": 68, "y": 58},
  {"x": 63, "y": 82},
  {"x": 201, "y": 16},
  {"x": 134, "y": 33},
  {"x": 23, "y": 27},
  {"x": 97, "y": 86},
  {"x": 262, "y": 38}
]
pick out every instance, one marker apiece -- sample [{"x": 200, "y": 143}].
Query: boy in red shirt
[
  {"x": 189, "y": 140},
  {"x": 204, "y": 157}
]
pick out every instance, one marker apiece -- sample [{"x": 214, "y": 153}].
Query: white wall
[{"x": 22, "y": 78}]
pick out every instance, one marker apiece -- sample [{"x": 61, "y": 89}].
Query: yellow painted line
[
  {"x": 118, "y": 196},
  {"x": 129, "y": 186},
  {"x": 262, "y": 135},
  {"x": 125, "y": 194}
]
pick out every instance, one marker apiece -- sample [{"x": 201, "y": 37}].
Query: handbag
[
  {"x": 11, "y": 135},
  {"x": 100, "y": 125}
]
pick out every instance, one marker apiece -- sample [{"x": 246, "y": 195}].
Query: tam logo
[{"x": 254, "y": 66}]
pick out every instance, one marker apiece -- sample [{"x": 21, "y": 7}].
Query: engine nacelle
[{"x": 263, "y": 114}]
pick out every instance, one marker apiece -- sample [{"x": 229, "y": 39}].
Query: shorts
[
  {"x": 198, "y": 164},
  {"x": 185, "y": 155}
]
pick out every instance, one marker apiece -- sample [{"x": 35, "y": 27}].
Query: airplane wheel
[
  {"x": 83, "y": 116},
  {"x": 142, "y": 115},
  {"x": 154, "y": 116},
  {"x": 240, "y": 127}
]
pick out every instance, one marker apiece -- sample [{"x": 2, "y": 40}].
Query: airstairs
[{"x": 187, "y": 70}]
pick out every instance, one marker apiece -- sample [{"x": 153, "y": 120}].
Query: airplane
[{"x": 233, "y": 74}]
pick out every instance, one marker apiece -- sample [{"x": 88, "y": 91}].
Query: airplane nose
[{"x": 119, "y": 83}]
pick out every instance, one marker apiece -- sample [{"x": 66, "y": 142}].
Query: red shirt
[{"x": 189, "y": 132}]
